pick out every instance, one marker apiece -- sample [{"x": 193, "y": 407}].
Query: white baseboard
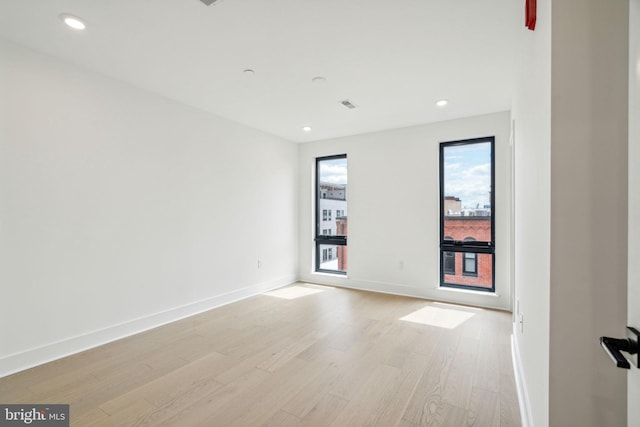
[
  {"x": 521, "y": 384},
  {"x": 477, "y": 299},
  {"x": 20, "y": 361}
]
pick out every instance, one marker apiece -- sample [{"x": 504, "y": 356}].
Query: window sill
[
  {"x": 468, "y": 291},
  {"x": 322, "y": 273}
]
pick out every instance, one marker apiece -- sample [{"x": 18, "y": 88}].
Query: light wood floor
[{"x": 334, "y": 358}]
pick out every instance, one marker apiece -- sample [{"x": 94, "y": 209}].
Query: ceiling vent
[
  {"x": 348, "y": 104},
  {"x": 210, "y": 2}
]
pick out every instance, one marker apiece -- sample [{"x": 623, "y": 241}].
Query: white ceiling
[{"x": 393, "y": 59}]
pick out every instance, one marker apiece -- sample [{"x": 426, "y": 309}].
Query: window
[
  {"x": 449, "y": 260},
  {"x": 470, "y": 266},
  {"x": 470, "y": 261},
  {"x": 467, "y": 244},
  {"x": 331, "y": 195}
]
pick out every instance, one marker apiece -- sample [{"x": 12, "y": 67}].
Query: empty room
[{"x": 337, "y": 213}]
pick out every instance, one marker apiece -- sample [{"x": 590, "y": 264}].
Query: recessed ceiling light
[
  {"x": 318, "y": 80},
  {"x": 442, "y": 103},
  {"x": 307, "y": 128},
  {"x": 248, "y": 72},
  {"x": 73, "y": 21}
]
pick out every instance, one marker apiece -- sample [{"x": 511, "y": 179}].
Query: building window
[
  {"x": 470, "y": 266},
  {"x": 449, "y": 260},
  {"x": 331, "y": 195},
  {"x": 467, "y": 200},
  {"x": 470, "y": 261},
  {"x": 449, "y": 266}
]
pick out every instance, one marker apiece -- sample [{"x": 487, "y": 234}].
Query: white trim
[
  {"x": 322, "y": 273},
  {"x": 521, "y": 384},
  {"x": 20, "y": 361},
  {"x": 468, "y": 291}
]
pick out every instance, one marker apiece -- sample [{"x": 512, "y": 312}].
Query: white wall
[
  {"x": 532, "y": 147},
  {"x": 121, "y": 210},
  {"x": 393, "y": 207}
]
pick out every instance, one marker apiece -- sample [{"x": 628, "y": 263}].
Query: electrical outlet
[{"x": 259, "y": 264}]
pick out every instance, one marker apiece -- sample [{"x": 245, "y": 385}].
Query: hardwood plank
[
  {"x": 457, "y": 389},
  {"x": 364, "y": 408},
  {"x": 210, "y": 408},
  {"x": 324, "y": 412},
  {"x": 392, "y": 411},
  {"x": 427, "y": 400},
  {"x": 487, "y": 368},
  {"x": 249, "y": 362},
  {"x": 449, "y": 415},
  {"x": 127, "y": 416},
  {"x": 484, "y": 409},
  {"x": 307, "y": 399},
  {"x": 264, "y": 400},
  {"x": 283, "y": 419},
  {"x": 509, "y": 406},
  {"x": 167, "y": 388},
  {"x": 178, "y": 403},
  {"x": 282, "y": 357},
  {"x": 89, "y": 417}
]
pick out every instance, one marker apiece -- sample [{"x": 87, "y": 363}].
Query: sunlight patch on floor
[
  {"x": 449, "y": 318},
  {"x": 293, "y": 292}
]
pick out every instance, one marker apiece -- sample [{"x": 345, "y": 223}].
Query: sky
[
  {"x": 334, "y": 171},
  {"x": 467, "y": 173}
]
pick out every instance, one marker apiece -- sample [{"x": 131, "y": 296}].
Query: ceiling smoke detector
[
  {"x": 348, "y": 104},
  {"x": 210, "y": 2}
]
